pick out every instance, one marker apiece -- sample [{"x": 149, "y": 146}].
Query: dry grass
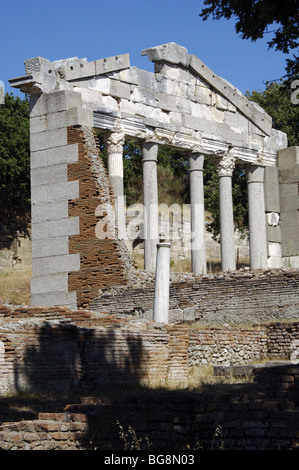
[{"x": 15, "y": 288}]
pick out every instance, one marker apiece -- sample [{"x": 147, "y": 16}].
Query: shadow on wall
[{"x": 67, "y": 358}]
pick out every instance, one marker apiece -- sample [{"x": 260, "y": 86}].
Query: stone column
[
  {"x": 257, "y": 218},
  {"x": 198, "y": 242},
  {"x": 115, "y": 142},
  {"x": 150, "y": 204},
  {"x": 161, "y": 301},
  {"x": 225, "y": 167}
]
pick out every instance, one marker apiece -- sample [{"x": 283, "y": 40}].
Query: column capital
[
  {"x": 225, "y": 165},
  {"x": 115, "y": 142},
  {"x": 149, "y": 151},
  {"x": 255, "y": 173},
  {"x": 196, "y": 161}
]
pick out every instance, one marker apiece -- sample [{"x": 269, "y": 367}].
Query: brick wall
[
  {"x": 59, "y": 349},
  {"x": 233, "y": 298},
  {"x": 261, "y": 416},
  {"x": 103, "y": 262}
]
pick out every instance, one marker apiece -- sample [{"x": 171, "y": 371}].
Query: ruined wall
[
  {"x": 259, "y": 416},
  {"x": 58, "y": 349},
  {"x": 234, "y": 298},
  {"x": 104, "y": 262}
]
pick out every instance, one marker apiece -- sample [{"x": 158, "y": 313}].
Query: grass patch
[{"x": 15, "y": 288}]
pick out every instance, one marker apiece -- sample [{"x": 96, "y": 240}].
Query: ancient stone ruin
[{"x": 78, "y": 209}]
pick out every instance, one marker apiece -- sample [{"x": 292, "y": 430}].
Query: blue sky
[{"x": 101, "y": 28}]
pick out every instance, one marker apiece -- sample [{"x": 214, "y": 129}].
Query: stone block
[
  {"x": 102, "y": 84},
  {"x": 55, "y": 264},
  {"x": 49, "y": 211},
  {"x": 289, "y": 175},
  {"x": 49, "y": 175},
  {"x": 288, "y": 190},
  {"x": 48, "y": 229},
  {"x": 189, "y": 314},
  {"x": 170, "y": 52},
  {"x": 142, "y": 78},
  {"x": 145, "y": 96},
  {"x": 55, "y": 192},
  {"x": 50, "y": 247},
  {"x": 79, "y": 70},
  {"x": 175, "y": 315},
  {"x": 48, "y": 139},
  {"x": 67, "y": 299},
  {"x": 50, "y": 283},
  {"x": 289, "y": 204},
  {"x": 53, "y": 102},
  {"x": 120, "y": 89},
  {"x": 288, "y": 157},
  {"x": 250, "y": 109},
  {"x": 271, "y": 189},
  {"x": 80, "y": 116},
  {"x": 111, "y": 64},
  {"x": 54, "y": 156},
  {"x": 273, "y": 234}
]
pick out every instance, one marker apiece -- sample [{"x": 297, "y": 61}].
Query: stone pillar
[
  {"x": 150, "y": 204},
  {"x": 115, "y": 142},
  {"x": 161, "y": 301},
  {"x": 198, "y": 242},
  {"x": 257, "y": 218},
  {"x": 225, "y": 168}
]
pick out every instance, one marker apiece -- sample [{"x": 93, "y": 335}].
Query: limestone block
[
  {"x": 202, "y": 95},
  {"x": 55, "y": 101},
  {"x": 271, "y": 190},
  {"x": 145, "y": 96},
  {"x": 120, "y": 89},
  {"x": 102, "y": 84},
  {"x": 49, "y": 211},
  {"x": 50, "y": 247},
  {"x": 111, "y": 64},
  {"x": 47, "y": 229},
  {"x": 109, "y": 104},
  {"x": 90, "y": 98},
  {"x": 55, "y": 264},
  {"x": 289, "y": 175},
  {"x": 49, "y": 175},
  {"x": 48, "y": 139},
  {"x": 68, "y": 299},
  {"x": 54, "y": 156},
  {"x": 139, "y": 77},
  {"x": 288, "y": 190},
  {"x": 80, "y": 69},
  {"x": 288, "y": 204},
  {"x": 250, "y": 109},
  {"x": 288, "y": 157},
  {"x": 170, "y": 52},
  {"x": 50, "y": 283},
  {"x": 55, "y": 192}
]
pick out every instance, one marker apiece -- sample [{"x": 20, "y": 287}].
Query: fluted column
[
  {"x": 150, "y": 204},
  {"x": 198, "y": 242},
  {"x": 114, "y": 143},
  {"x": 224, "y": 168},
  {"x": 256, "y": 216}
]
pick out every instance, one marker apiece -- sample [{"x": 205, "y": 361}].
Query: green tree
[
  {"x": 253, "y": 19},
  {"x": 14, "y": 162},
  {"x": 276, "y": 101}
]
